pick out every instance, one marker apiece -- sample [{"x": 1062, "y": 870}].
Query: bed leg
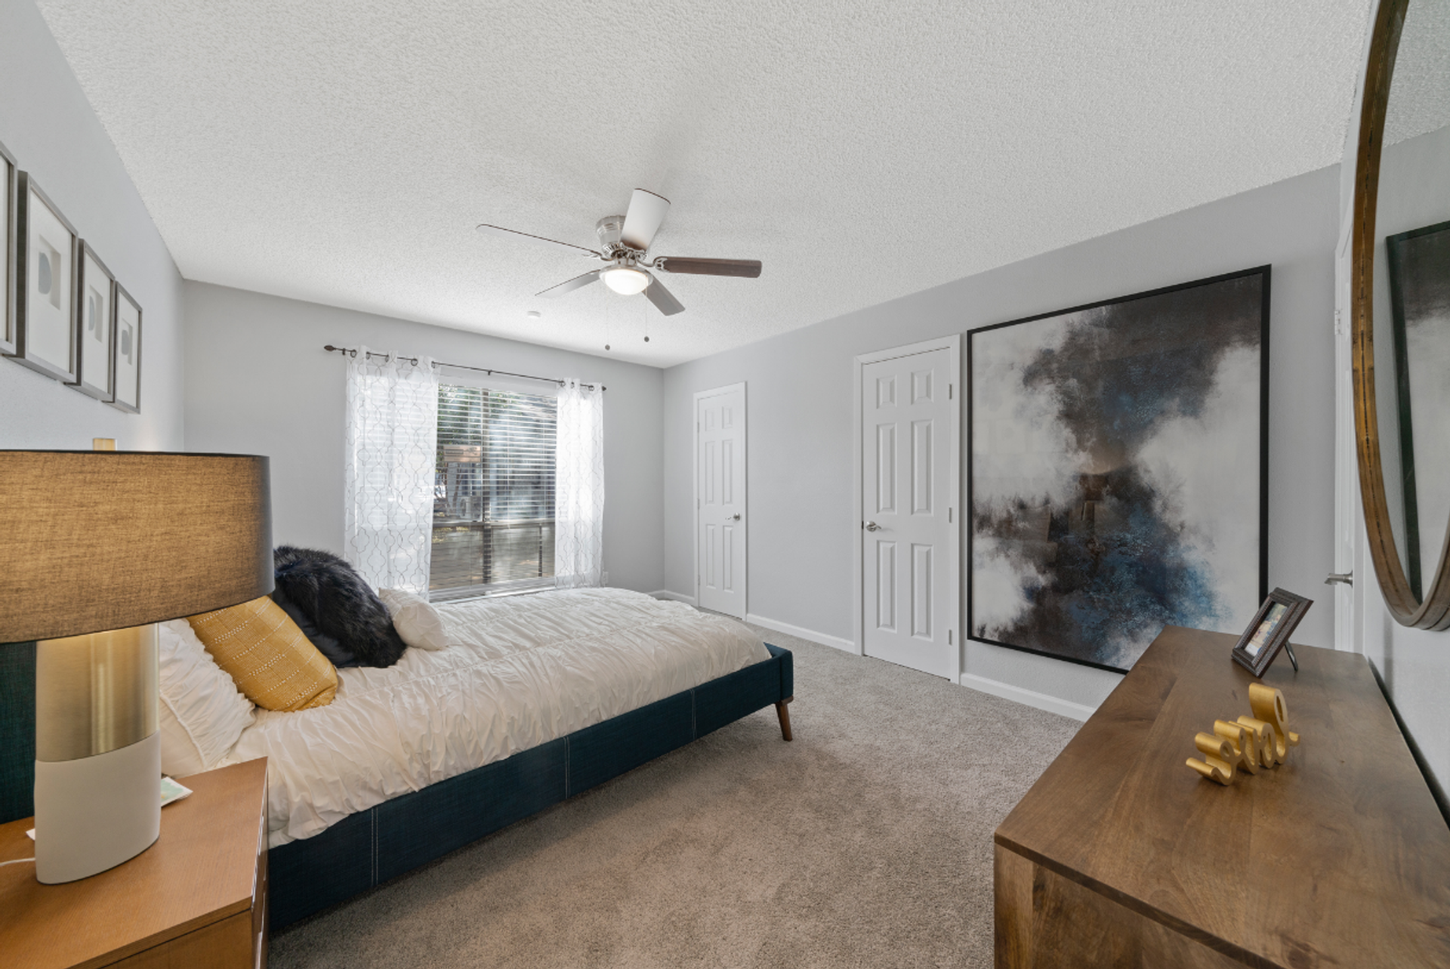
[{"x": 784, "y": 715}]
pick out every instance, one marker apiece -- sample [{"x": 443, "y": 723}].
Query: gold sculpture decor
[{"x": 1262, "y": 740}]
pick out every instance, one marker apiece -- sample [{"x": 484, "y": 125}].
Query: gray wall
[
  {"x": 800, "y": 398},
  {"x": 48, "y": 125},
  {"x": 1414, "y": 664},
  {"x": 258, "y": 381}
]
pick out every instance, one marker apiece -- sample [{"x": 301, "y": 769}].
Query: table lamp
[{"x": 98, "y": 547}]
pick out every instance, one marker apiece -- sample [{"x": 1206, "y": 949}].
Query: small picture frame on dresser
[
  {"x": 9, "y": 176},
  {"x": 96, "y": 292},
  {"x": 126, "y": 352},
  {"x": 1270, "y": 630},
  {"x": 45, "y": 264}
]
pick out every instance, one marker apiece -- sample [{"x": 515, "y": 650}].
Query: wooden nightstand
[{"x": 196, "y": 899}]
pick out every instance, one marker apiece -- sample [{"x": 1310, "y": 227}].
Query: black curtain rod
[{"x": 349, "y": 351}]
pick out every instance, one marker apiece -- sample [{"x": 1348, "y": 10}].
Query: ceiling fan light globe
[{"x": 625, "y": 281}]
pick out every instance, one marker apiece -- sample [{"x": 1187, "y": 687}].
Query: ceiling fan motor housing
[{"x": 608, "y": 229}]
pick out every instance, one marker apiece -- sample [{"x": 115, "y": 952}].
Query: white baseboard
[
  {"x": 675, "y": 596},
  {"x": 1032, "y": 698},
  {"x": 810, "y": 634}
]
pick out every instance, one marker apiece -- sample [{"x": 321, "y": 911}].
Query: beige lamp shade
[{"x": 103, "y": 540}]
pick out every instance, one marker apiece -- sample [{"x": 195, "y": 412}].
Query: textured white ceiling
[
  {"x": 1420, "y": 85},
  {"x": 342, "y": 150}
]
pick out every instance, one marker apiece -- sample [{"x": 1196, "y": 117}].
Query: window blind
[{"x": 493, "y": 507}]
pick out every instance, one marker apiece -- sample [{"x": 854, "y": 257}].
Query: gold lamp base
[{"x": 97, "y": 752}]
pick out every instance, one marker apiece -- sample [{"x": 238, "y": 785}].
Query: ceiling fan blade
[
  {"x": 568, "y": 286},
  {"x": 646, "y": 212},
  {"x": 749, "y": 268},
  {"x": 498, "y": 230},
  {"x": 663, "y": 299}
]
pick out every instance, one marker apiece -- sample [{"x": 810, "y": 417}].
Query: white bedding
[{"x": 519, "y": 671}]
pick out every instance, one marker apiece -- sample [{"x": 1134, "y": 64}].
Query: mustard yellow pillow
[{"x": 273, "y": 664}]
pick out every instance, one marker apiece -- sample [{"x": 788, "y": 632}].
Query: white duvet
[{"x": 519, "y": 671}]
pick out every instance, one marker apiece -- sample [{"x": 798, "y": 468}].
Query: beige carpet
[{"x": 866, "y": 842}]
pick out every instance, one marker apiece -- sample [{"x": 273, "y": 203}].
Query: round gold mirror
[{"x": 1400, "y": 307}]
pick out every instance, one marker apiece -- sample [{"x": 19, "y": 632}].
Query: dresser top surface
[
  {"x": 1337, "y": 857},
  {"x": 202, "y": 869}
]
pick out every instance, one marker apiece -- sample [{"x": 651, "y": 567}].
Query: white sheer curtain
[
  {"x": 579, "y": 487},
  {"x": 392, "y": 430}
]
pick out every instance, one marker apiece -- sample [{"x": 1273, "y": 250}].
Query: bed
[{"x": 535, "y": 699}]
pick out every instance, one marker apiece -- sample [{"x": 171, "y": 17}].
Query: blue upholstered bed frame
[{"x": 397, "y": 836}]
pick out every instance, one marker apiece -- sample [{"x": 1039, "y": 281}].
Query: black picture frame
[
  {"x": 1398, "y": 259},
  {"x": 95, "y": 325},
  {"x": 29, "y": 340},
  {"x": 9, "y": 180},
  {"x": 125, "y": 351},
  {"x": 1270, "y": 630},
  {"x": 1254, "y": 569}
]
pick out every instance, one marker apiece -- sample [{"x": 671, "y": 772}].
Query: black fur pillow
[
  {"x": 340, "y": 604},
  {"x": 326, "y": 645}
]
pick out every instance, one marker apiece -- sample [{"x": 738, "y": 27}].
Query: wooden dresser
[
  {"x": 1121, "y": 856},
  {"x": 196, "y": 899}
]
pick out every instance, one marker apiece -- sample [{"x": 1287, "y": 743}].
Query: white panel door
[
  {"x": 906, "y": 410},
  {"x": 720, "y": 500}
]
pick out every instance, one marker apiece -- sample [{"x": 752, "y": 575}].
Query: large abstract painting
[
  {"x": 1119, "y": 471},
  {"x": 1419, "y": 271}
]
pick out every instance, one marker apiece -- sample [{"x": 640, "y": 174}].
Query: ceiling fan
[{"x": 624, "y": 242}]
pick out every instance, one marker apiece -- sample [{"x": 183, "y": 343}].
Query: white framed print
[
  {"x": 126, "y": 350},
  {"x": 9, "y": 174},
  {"x": 95, "y": 293},
  {"x": 45, "y": 333}
]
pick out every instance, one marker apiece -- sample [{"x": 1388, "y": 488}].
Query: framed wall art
[
  {"x": 9, "y": 176},
  {"x": 126, "y": 350},
  {"x": 95, "y": 289},
  {"x": 1118, "y": 475},
  {"x": 1419, "y": 276},
  {"x": 45, "y": 333}
]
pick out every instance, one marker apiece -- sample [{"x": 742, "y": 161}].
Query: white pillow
[
  {"x": 415, "y": 619},
  {"x": 202, "y": 712}
]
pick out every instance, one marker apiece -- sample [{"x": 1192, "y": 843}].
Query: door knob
[
  {"x": 1346, "y": 578},
  {"x": 735, "y": 517},
  {"x": 872, "y": 527}
]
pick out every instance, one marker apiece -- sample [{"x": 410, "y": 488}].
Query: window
[{"x": 493, "y": 496}]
